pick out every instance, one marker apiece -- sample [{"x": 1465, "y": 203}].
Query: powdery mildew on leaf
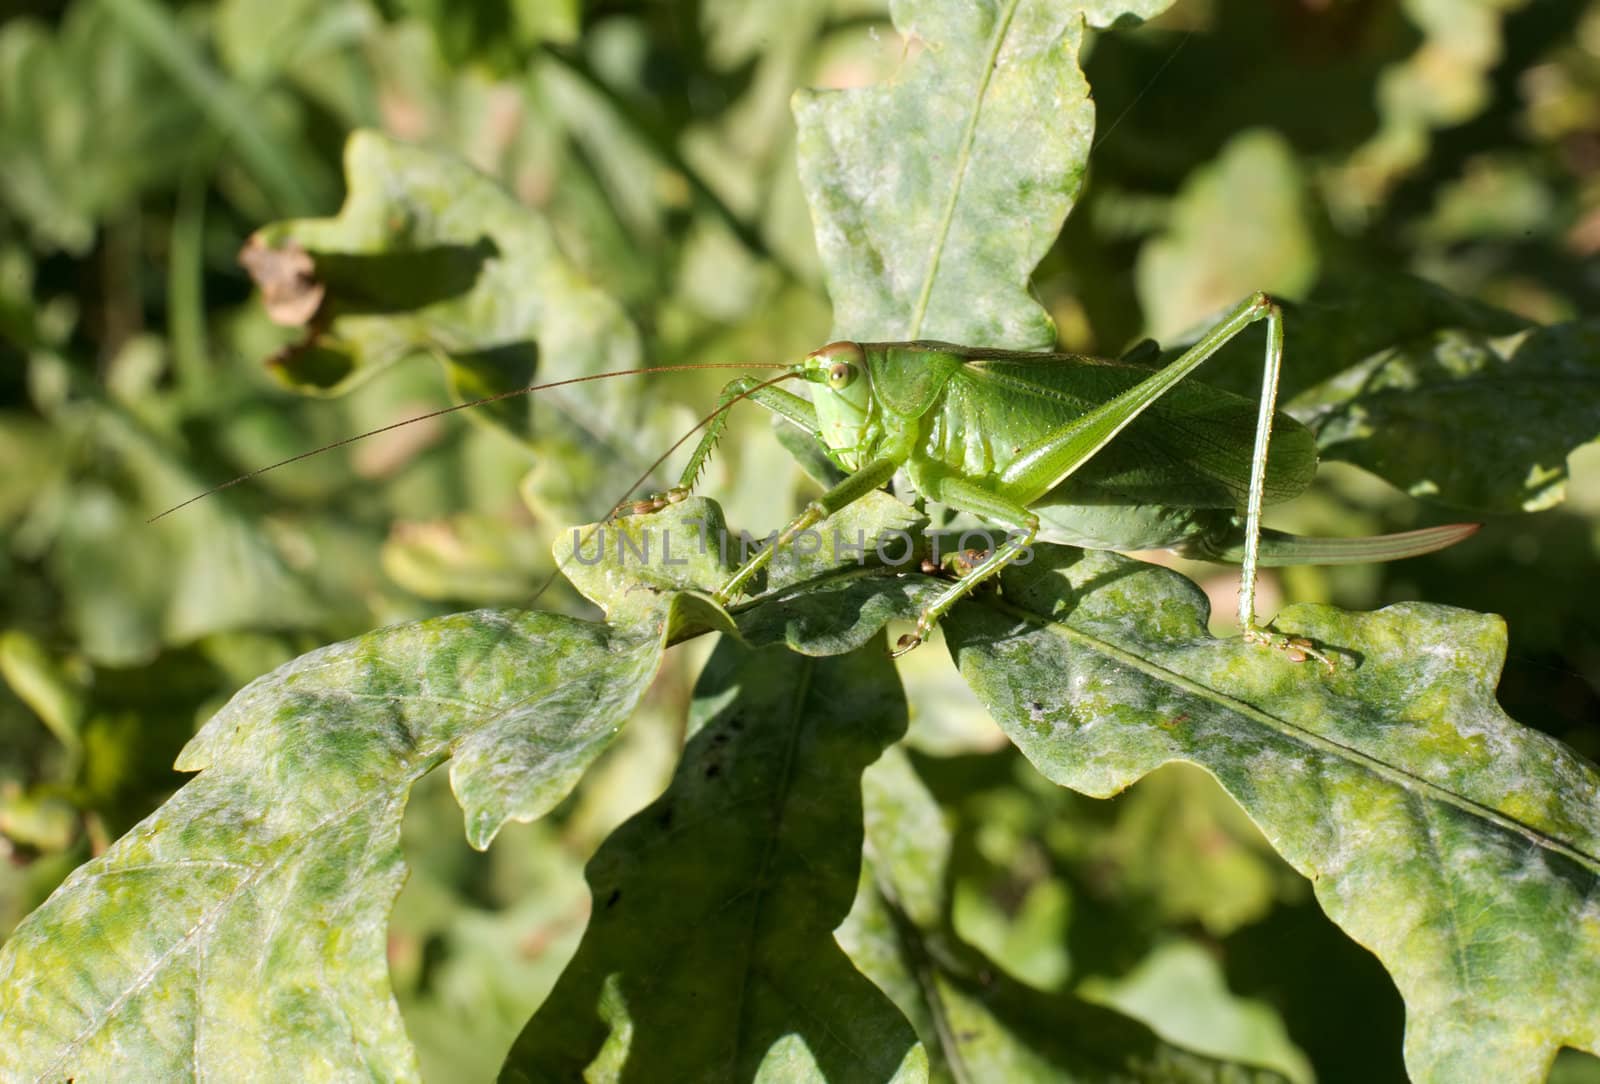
[
  {"x": 935, "y": 193},
  {"x": 239, "y": 931},
  {"x": 1462, "y": 848}
]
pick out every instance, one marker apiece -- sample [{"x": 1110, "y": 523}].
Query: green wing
[{"x": 1190, "y": 449}]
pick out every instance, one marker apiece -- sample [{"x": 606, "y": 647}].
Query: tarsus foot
[{"x": 1296, "y": 648}]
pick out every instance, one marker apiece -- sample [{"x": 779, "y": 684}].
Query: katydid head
[{"x": 843, "y": 398}]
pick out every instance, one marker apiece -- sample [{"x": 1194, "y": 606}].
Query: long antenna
[
  {"x": 662, "y": 458},
  {"x": 463, "y": 406},
  {"x": 699, "y": 425},
  {"x": 1139, "y": 97}
]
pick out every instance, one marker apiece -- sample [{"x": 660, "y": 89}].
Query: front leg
[
  {"x": 762, "y": 392},
  {"x": 875, "y": 475}
]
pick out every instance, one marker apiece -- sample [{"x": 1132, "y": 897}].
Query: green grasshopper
[
  {"x": 1062, "y": 448},
  {"x": 1055, "y": 447}
]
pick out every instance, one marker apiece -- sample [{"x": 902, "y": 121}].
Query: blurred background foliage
[{"x": 1281, "y": 145}]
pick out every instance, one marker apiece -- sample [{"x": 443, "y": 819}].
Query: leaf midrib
[
  {"x": 963, "y": 160},
  {"x": 1394, "y": 774},
  {"x": 211, "y": 915},
  {"x": 762, "y": 889}
]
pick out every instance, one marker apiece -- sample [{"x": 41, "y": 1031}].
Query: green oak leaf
[
  {"x": 837, "y": 612},
  {"x": 1460, "y": 847},
  {"x": 877, "y": 530},
  {"x": 429, "y": 256},
  {"x": 823, "y": 600},
  {"x": 1467, "y": 420},
  {"x": 710, "y": 954},
  {"x": 1182, "y": 989},
  {"x": 977, "y": 1022},
  {"x": 855, "y": 572},
  {"x": 935, "y": 193},
  {"x": 628, "y": 563},
  {"x": 239, "y": 931}
]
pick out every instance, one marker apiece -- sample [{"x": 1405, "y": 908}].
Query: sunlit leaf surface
[
  {"x": 1463, "y": 849},
  {"x": 239, "y": 931},
  {"x": 935, "y": 193},
  {"x": 1472, "y": 422}
]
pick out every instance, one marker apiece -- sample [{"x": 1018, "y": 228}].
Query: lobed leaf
[
  {"x": 826, "y": 600},
  {"x": 1464, "y": 419},
  {"x": 625, "y": 564},
  {"x": 1461, "y": 848},
  {"x": 977, "y": 1022},
  {"x": 428, "y": 255},
  {"x": 936, "y": 193},
  {"x": 710, "y": 954},
  {"x": 239, "y": 931}
]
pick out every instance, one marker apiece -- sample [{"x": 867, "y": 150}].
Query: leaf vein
[
  {"x": 785, "y": 782},
  {"x": 207, "y": 920},
  {"x": 1399, "y": 776},
  {"x": 963, "y": 161}
]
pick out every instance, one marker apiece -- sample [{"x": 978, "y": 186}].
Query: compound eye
[{"x": 837, "y": 364}]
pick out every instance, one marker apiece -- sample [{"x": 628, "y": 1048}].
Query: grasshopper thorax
[{"x": 842, "y": 397}]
